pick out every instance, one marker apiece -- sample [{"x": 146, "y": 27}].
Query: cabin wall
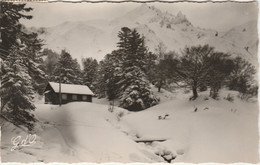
[
  {"x": 78, "y": 98},
  {"x": 50, "y": 97},
  {"x": 53, "y": 98},
  {"x": 89, "y": 98}
]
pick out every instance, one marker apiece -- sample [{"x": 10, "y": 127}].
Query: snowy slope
[
  {"x": 220, "y": 131},
  {"x": 241, "y": 40},
  {"x": 79, "y": 38},
  {"x": 76, "y": 132},
  {"x": 97, "y": 38}
]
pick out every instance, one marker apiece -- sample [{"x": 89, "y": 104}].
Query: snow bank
[{"x": 219, "y": 131}]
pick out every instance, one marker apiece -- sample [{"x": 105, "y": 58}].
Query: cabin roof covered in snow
[{"x": 71, "y": 89}]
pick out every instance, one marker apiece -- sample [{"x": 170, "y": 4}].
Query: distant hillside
[{"x": 99, "y": 37}]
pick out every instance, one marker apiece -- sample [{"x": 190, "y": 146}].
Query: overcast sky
[{"x": 219, "y": 16}]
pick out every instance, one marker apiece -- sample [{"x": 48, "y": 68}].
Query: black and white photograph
[{"x": 129, "y": 82}]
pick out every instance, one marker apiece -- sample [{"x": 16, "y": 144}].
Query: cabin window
[
  {"x": 84, "y": 98},
  {"x": 74, "y": 97},
  {"x": 64, "y": 96}
]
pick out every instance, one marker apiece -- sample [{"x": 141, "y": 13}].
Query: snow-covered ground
[{"x": 219, "y": 131}]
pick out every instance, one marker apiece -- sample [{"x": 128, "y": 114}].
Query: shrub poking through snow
[
  {"x": 120, "y": 115},
  {"x": 166, "y": 115},
  {"x": 229, "y": 98},
  {"x": 111, "y": 107},
  {"x": 206, "y": 98},
  {"x": 163, "y": 118}
]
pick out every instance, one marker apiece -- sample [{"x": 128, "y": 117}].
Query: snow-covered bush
[{"x": 241, "y": 78}]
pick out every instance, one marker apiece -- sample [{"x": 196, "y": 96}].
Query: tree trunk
[
  {"x": 194, "y": 90},
  {"x": 159, "y": 89},
  {"x": 160, "y": 85},
  {"x": 195, "y": 93}
]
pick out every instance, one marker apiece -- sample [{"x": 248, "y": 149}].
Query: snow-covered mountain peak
[
  {"x": 181, "y": 18},
  {"x": 180, "y": 15},
  {"x": 145, "y": 14}
]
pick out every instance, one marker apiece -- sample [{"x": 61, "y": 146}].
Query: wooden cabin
[{"x": 69, "y": 93}]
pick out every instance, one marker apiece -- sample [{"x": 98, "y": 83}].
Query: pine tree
[
  {"x": 77, "y": 71},
  {"x": 123, "y": 72},
  {"x": 89, "y": 73},
  {"x": 67, "y": 70},
  {"x": 124, "y": 36},
  {"x": 151, "y": 60},
  {"x": 137, "y": 94},
  {"x": 34, "y": 62},
  {"x": 135, "y": 91},
  {"x": 13, "y": 33},
  {"x": 50, "y": 62},
  {"x": 160, "y": 50},
  {"x": 100, "y": 83},
  {"x": 109, "y": 75},
  {"x": 10, "y": 27},
  {"x": 16, "y": 90},
  {"x": 21, "y": 70}
]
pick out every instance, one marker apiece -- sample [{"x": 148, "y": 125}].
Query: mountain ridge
[{"x": 97, "y": 38}]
